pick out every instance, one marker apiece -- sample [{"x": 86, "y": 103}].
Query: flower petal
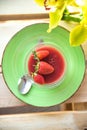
[
  {"x": 56, "y": 16},
  {"x": 78, "y": 35},
  {"x": 40, "y": 2}
]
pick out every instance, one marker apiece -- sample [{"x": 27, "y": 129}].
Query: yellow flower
[
  {"x": 56, "y": 8},
  {"x": 56, "y": 16},
  {"x": 78, "y": 35}
]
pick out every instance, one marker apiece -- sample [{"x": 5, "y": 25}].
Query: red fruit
[
  {"x": 42, "y": 54},
  {"x": 45, "y": 68},
  {"x": 39, "y": 79}
]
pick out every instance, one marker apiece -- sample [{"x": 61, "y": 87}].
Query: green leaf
[{"x": 78, "y": 35}]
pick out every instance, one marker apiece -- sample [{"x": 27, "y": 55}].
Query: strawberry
[
  {"x": 39, "y": 78},
  {"x": 42, "y": 54},
  {"x": 45, "y": 68}
]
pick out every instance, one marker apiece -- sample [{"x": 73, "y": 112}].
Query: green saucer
[{"x": 14, "y": 64}]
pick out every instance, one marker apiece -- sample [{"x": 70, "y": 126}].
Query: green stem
[{"x": 68, "y": 17}]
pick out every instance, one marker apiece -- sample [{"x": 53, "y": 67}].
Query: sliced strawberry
[
  {"x": 45, "y": 68},
  {"x": 39, "y": 79},
  {"x": 42, "y": 54}
]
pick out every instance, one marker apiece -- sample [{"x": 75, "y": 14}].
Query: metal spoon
[{"x": 25, "y": 84}]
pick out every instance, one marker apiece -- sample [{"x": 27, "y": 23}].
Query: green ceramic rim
[{"x": 13, "y": 64}]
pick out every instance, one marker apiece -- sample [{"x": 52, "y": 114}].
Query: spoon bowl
[{"x": 25, "y": 84}]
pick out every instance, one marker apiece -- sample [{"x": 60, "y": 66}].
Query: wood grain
[{"x": 45, "y": 121}]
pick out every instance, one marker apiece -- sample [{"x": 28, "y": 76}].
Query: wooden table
[
  {"x": 45, "y": 121},
  {"x": 58, "y": 120},
  {"x": 7, "y": 30}
]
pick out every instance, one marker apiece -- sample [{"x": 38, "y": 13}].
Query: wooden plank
[
  {"x": 82, "y": 106},
  {"x": 7, "y": 99},
  {"x": 23, "y": 16},
  {"x": 45, "y": 121}
]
